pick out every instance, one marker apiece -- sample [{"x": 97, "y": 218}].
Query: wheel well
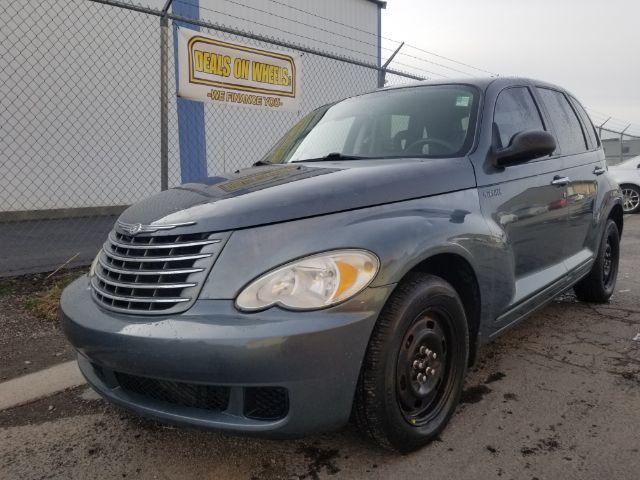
[
  {"x": 616, "y": 215},
  {"x": 459, "y": 273}
]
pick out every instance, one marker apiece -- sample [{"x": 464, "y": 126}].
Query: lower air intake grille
[
  {"x": 207, "y": 397},
  {"x": 266, "y": 403}
]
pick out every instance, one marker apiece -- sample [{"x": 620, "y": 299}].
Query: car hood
[{"x": 276, "y": 193}]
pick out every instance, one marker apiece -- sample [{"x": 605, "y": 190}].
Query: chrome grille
[{"x": 153, "y": 273}]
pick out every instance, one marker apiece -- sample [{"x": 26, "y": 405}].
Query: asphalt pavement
[{"x": 557, "y": 397}]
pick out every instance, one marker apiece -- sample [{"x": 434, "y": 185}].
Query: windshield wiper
[{"x": 331, "y": 156}]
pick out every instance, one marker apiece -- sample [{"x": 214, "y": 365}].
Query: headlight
[
  {"x": 94, "y": 264},
  {"x": 313, "y": 282}
]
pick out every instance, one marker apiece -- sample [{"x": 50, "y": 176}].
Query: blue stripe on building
[{"x": 191, "y": 132}]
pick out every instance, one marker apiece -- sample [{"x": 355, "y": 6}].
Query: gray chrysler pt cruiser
[{"x": 356, "y": 269}]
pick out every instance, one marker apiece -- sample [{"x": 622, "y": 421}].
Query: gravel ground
[
  {"x": 556, "y": 397},
  {"x": 30, "y": 338}
]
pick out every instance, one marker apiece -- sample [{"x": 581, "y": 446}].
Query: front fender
[{"x": 402, "y": 234}]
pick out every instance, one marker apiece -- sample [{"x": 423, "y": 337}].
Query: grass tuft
[{"x": 42, "y": 296}]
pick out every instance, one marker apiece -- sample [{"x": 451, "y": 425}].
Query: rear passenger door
[{"x": 583, "y": 163}]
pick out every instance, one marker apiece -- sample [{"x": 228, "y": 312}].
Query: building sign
[{"x": 211, "y": 70}]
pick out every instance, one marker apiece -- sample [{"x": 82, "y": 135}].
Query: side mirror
[{"x": 525, "y": 146}]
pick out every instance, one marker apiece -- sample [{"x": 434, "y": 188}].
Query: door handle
[
  {"x": 599, "y": 170},
  {"x": 560, "y": 181}
]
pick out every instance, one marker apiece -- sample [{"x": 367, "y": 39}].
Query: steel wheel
[
  {"x": 599, "y": 284},
  {"x": 631, "y": 199},
  {"x": 423, "y": 368},
  {"x": 610, "y": 262},
  {"x": 413, "y": 372}
]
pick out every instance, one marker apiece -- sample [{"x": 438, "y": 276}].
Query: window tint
[
  {"x": 516, "y": 112},
  {"x": 586, "y": 121},
  {"x": 565, "y": 122}
]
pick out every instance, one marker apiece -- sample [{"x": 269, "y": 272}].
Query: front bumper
[{"x": 315, "y": 356}]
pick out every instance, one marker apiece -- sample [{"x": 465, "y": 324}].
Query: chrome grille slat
[
  {"x": 154, "y": 273},
  {"x": 175, "y": 258},
  {"x": 148, "y": 286},
  {"x": 158, "y": 246},
  {"x": 168, "y": 271},
  {"x": 141, "y": 299}
]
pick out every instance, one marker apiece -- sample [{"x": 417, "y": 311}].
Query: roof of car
[{"x": 480, "y": 82}]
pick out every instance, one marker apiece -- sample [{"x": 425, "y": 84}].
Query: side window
[
  {"x": 586, "y": 121},
  {"x": 567, "y": 127},
  {"x": 515, "y": 112}
]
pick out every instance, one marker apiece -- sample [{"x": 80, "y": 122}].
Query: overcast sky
[{"x": 590, "y": 47}]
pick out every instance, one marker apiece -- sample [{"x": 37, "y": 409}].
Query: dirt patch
[
  {"x": 495, "y": 377},
  {"x": 69, "y": 403},
  {"x": 321, "y": 459},
  {"x": 474, "y": 394},
  {"x": 544, "y": 445},
  {"x": 30, "y": 337}
]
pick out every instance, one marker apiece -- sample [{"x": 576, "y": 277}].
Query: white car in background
[{"x": 627, "y": 174}]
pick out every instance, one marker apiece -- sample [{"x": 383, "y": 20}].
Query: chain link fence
[
  {"x": 81, "y": 131},
  {"x": 619, "y": 146},
  {"x": 621, "y": 140}
]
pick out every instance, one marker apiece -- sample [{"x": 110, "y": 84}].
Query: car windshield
[{"x": 427, "y": 121}]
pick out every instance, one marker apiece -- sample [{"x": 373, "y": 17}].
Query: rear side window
[
  {"x": 586, "y": 121},
  {"x": 567, "y": 127},
  {"x": 515, "y": 112}
]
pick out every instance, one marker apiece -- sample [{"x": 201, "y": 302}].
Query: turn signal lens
[{"x": 313, "y": 282}]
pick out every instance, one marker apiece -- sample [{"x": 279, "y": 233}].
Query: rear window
[
  {"x": 566, "y": 126},
  {"x": 588, "y": 124}
]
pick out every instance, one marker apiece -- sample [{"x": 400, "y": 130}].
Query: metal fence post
[
  {"x": 164, "y": 97},
  {"x": 602, "y": 125},
  {"x": 382, "y": 73},
  {"x": 622, "y": 142}
]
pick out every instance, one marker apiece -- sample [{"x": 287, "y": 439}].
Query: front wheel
[
  {"x": 415, "y": 364},
  {"x": 598, "y": 285}
]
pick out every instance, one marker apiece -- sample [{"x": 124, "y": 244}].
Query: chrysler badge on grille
[{"x": 136, "y": 228}]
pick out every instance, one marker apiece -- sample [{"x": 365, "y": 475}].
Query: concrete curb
[{"x": 34, "y": 386}]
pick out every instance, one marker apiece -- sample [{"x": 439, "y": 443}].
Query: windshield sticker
[{"x": 463, "y": 101}]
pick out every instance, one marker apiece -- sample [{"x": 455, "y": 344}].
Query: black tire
[
  {"x": 631, "y": 200},
  {"x": 424, "y": 311},
  {"x": 599, "y": 284}
]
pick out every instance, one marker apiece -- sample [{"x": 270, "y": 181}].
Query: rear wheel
[
  {"x": 415, "y": 364},
  {"x": 631, "y": 198},
  {"x": 598, "y": 285}
]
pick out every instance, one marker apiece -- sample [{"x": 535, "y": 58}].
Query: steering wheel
[{"x": 413, "y": 148}]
